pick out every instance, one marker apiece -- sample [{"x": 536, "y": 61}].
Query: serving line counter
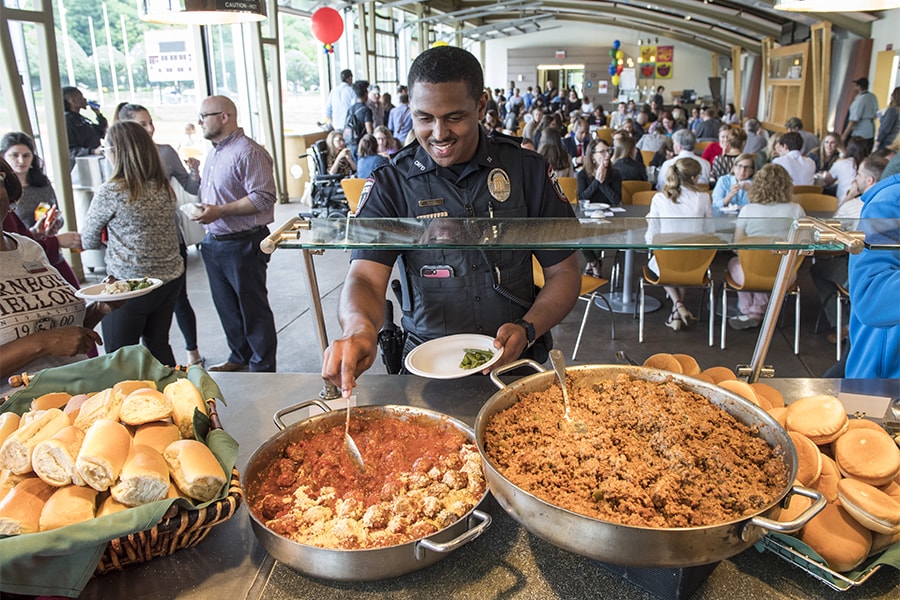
[{"x": 506, "y": 561}]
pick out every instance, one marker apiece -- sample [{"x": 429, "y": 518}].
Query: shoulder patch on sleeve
[
  {"x": 364, "y": 195},
  {"x": 551, "y": 175}
]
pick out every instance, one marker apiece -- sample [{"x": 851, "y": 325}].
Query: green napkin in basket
[{"x": 60, "y": 562}]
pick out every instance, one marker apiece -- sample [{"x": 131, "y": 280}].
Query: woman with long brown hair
[{"x": 137, "y": 207}]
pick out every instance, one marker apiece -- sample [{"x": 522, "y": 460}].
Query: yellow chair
[
  {"x": 604, "y": 134},
  {"x": 647, "y": 155},
  {"x": 588, "y": 292},
  {"x": 816, "y": 202},
  {"x": 760, "y": 268},
  {"x": 808, "y": 189},
  {"x": 642, "y": 198},
  {"x": 699, "y": 147},
  {"x": 703, "y": 187},
  {"x": 569, "y": 186},
  {"x": 629, "y": 188},
  {"x": 682, "y": 268},
  {"x": 353, "y": 187}
]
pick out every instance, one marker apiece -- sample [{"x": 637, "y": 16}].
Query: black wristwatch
[{"x": 529, "y": 330}]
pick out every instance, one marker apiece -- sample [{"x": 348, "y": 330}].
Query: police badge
[{"x": 498, "y": 185}]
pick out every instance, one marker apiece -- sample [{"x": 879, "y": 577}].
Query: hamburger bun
[
  {"x": 103, "y": 453},
  {"x": 9, "y": 422},
  {"x": 185, "y": 398},
  {"x": 51, "y": 400},
  {"x": 109, "y": 506},
  {"x": 718, "y": 374},
  {"x": 20, "y": 509},
  {"x": 837, "y": 538},
  {"x": 779, "y": 414},
  {"x": 663, "y": 362},
  {"x": 809, "y": 459},
  {"x": 157, "y": 435},
  {"x": 688, "y": 364},
  {"x": 742, "y": 389},
  {"x": 68, "y": 505},
  {"x": 892, "y": 489},
  {"x": 820, "y": 418},
  {"x": 144, "y": 477},
  {"x": 125, "y": 388},
  {"x": 796, "y": 505},
  {"x": 705, "y": 378},
  {"x": 145, "y": 405},
  {"x": 827, "y": 484},
  {"x": 195, "y": 469},
  {"x": 881, "y": 541},
  {"x": 872, "y": 508},
  {"x": 769, "y": 393},
  {"x": 863, "y": 424},
  {"x": 867, "y": 455},
  {"x": 53, "y": 460},
  {"x": 15, "y": 453}
]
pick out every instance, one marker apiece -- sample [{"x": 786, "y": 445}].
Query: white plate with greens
[
  {"x": 442, "y": 358},
  {"x": 121, "y": 289}
]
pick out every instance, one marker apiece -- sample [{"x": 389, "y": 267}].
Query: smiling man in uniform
[{"x": 455, "y": 170}]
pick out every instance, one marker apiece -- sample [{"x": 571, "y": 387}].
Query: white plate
[
  {"x": 440, "y": 358},
  {"x": 97, "y": 292},
  {"x": 597, "y": 206}
]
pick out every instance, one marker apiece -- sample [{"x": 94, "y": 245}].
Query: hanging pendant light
[
  {"x": 202, "y": 12},
  {"x": 835, "y": 5}
]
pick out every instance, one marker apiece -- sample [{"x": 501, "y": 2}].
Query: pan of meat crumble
[
  {"x": 416, "y": 500},
  {"x": 647, "y": 469}
]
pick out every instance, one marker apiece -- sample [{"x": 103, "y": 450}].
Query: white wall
[
  {"x": 884, "y": 32},
  {"x": 692, "y": 65}
]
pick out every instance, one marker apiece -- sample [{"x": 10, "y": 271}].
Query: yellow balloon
[
  {"x": 620, "y": 54},
  {"x": 615, "y": 79},
  {"x": 439, "y": 43}
]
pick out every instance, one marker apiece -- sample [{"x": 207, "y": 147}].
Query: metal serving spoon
[
  {"x": 559, "y": 365},
  {"x": 350, "y": 445}
]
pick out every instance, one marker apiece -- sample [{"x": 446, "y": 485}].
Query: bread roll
[
  {"x": 68, "y": 505},
  {"x": 51, "y": 400},
  {"x": 664, "y": 362},
  {"x": 123, "y": 389},
  {"x": 872, "y": 508},
  {"x": 185, "y": 398},
  {"x": 53, "y": 460},
  {"x": 9, "y": 422},
  {"x": 20, "y": 510},
  {"x": 820, "y": 418},
  {"x": 827, "y": 484},
  {"x": 73, "y": 406},
  {"x": 157, "y": 435},
  {"x": 145, "y": 405},
  {"x": 9, "y": 480},
  {"x": 195, "y": 469},
  {"x": 103, "y": 453},
  {"x": 109, "y": 505},
  {"x": 15, "y": 453},
  {"x": 868, "y": 455},
  {"x": 809, "y": 459},
  {"x": 837, "y": 538},
  {"x": 144, "y": 477},
  {"x": 102, "y": 405}
]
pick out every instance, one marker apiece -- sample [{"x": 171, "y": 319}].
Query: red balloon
[
  {"x": 619, "y": 69},
  {"x": 327, "y": 25}
]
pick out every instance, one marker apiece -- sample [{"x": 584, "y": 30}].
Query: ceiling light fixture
[
  {"x": 835, "y": 5},
  {"x": 202, "y": 12}
]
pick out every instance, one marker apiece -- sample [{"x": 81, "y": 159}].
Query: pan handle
[
  {"x": 484, "y": 521},
  {"x": 277, "y": 417},
  {"x": 522, "y": 362},
  {"x": 788, "y": 526}
]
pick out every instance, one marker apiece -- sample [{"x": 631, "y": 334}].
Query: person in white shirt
[
  {"x": 619, "y": 116},
  {"x": 680, "y": 197},
  {"x": 843, "y": 171},
  {"x": 767, "y": 215},
  {"x": 683, "y": 141},
  {"x": 339, "y": 100},
  {"x": 587, "y": 107},
  {"x": 801, "y": 168}
]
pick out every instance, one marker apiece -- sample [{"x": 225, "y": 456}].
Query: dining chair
[
  {"x": 842, "y": 298},
  {"x": 682, "y": 268},
  {"x": 588, "y": 293},
  {"x": 648, "y": 156},
  {"x": 703, "y": 187},
  {"x": 760, "y": 269},
  {"x": 808, "y": 189},
  {"x": 630, "y": 187},
  {"x": 643, "y": 198},
  {"x": 699, "y": 147},
  {"x": 353, "y": 187},
  {"x": 604, "y": 134},
  {"x": 569, "y": 186},
  {"x": 816, "y": 202}
]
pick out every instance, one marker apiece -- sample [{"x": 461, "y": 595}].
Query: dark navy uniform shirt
[{"x": 462, "y": 297}]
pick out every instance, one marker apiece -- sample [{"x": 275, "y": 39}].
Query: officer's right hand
[{"x": 346, "y": 359}]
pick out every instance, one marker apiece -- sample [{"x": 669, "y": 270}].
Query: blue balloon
[
  {"x": 616, "y": 44},
  {"x": 612, "y": 69}
]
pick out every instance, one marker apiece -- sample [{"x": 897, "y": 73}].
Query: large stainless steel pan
[
  {"x": 629, "y": 545},
  {"x": 355, "y": 565}
]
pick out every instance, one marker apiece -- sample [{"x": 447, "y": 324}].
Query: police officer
[{"x": 454, "y": 169}]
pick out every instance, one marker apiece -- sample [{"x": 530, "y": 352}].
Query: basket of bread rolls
[
  {"x": 853, "y": 462},
  {"x": 108, "y": 462}
]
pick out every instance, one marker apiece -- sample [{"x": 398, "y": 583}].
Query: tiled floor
[{"x": 299, "y": 352}]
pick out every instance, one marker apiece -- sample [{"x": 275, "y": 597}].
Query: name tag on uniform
[
  {"x": 35, "y": 267},
  {"x": 431, "y": 202}
]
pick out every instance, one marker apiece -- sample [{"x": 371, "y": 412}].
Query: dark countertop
[{"x": 505, "y": 562}]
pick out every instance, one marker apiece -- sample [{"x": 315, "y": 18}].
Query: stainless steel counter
[{"x": 506, "y": 562}]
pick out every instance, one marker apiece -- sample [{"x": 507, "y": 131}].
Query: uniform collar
[{"x": 485, "y": 156}]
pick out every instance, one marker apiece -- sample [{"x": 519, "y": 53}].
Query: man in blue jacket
[{"x": 875, "y": 287}]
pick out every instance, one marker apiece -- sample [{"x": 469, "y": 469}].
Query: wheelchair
[{"x": 327, "y": 199}]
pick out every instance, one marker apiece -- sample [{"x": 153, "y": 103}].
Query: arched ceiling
[{"x": 714, "y": 25}]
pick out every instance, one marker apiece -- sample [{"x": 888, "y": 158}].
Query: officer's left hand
[
  {"x": 211, "y": 212},
  {"x": 513, "y": 339}
]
